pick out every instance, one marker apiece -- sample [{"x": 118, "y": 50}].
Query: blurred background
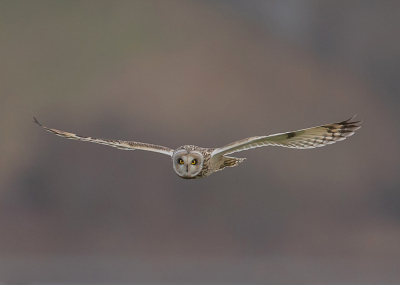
[{"x": 205, "y": 73}]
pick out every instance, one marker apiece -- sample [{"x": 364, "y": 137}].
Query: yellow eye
[
  {"x": 194, "y": 161},
  {"x": 181, "y": 161}
]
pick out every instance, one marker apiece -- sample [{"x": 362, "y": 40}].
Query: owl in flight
[{"x": 193, "y": 162}]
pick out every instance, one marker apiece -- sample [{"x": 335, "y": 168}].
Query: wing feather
[
  {"x": 125, "y": 145},
  {"x": 301, "y": 139}
]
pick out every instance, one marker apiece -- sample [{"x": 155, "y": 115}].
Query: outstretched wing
[
  {"x": 125, "y": 145},
  {"x": 302, "y": 139}
]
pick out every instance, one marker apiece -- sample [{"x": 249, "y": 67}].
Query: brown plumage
[{"x": 193, "y": 162}]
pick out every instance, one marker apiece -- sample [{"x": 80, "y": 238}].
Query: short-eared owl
[{"x": 192, "y": 162}]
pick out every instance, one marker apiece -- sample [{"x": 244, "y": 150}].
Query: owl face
[{"x": 187, "y": 164}]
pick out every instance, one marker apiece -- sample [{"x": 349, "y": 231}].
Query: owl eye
[
  {"x": 194, "y": 161},
  {"x": 180, "y": 161}
]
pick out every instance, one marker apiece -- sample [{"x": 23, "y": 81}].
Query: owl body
[{"x": 193, "y": 162}]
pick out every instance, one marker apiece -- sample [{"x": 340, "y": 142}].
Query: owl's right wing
[
  {"x": 125, "y": 145},
  {"x": 301, "y": 139}
]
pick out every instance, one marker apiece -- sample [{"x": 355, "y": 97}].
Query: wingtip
[
  {"x": 348, "y": 121},
  {"x": 36, "y": 121}
]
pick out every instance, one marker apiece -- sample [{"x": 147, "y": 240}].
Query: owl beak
[{"x": 187, "y": 168}]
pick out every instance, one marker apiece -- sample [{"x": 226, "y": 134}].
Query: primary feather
[
  {"x": 301, "y": 139},
  {"x": 125, "y": 145}
]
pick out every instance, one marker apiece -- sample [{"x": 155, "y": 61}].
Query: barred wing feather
[
  {"x": 301, "y": 139},
  {"x": 125, "y": 145}
]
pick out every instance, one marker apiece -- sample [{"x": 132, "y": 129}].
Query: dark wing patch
[
  {"x": 291, "y": 135},
  {"x": 302, "y": 139}
]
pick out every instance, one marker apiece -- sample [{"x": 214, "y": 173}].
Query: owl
[{"x": 193, "y": 162}]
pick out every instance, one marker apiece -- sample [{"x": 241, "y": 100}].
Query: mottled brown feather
[
  {"x": 125, "y": 145},
  {"x": 301, "y": 139}
]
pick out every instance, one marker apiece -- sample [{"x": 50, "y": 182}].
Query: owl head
[{"x": 187, "y": 163}]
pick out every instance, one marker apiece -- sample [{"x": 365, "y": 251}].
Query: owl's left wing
[
  {"x": 301, "y": 139},
  {"x": 125, "y": 145}
]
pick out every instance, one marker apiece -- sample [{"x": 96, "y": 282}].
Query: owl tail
[{"x": 231, "y": 161}]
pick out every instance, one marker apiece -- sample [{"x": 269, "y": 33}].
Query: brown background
[{"x": 205, "y": 73}]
